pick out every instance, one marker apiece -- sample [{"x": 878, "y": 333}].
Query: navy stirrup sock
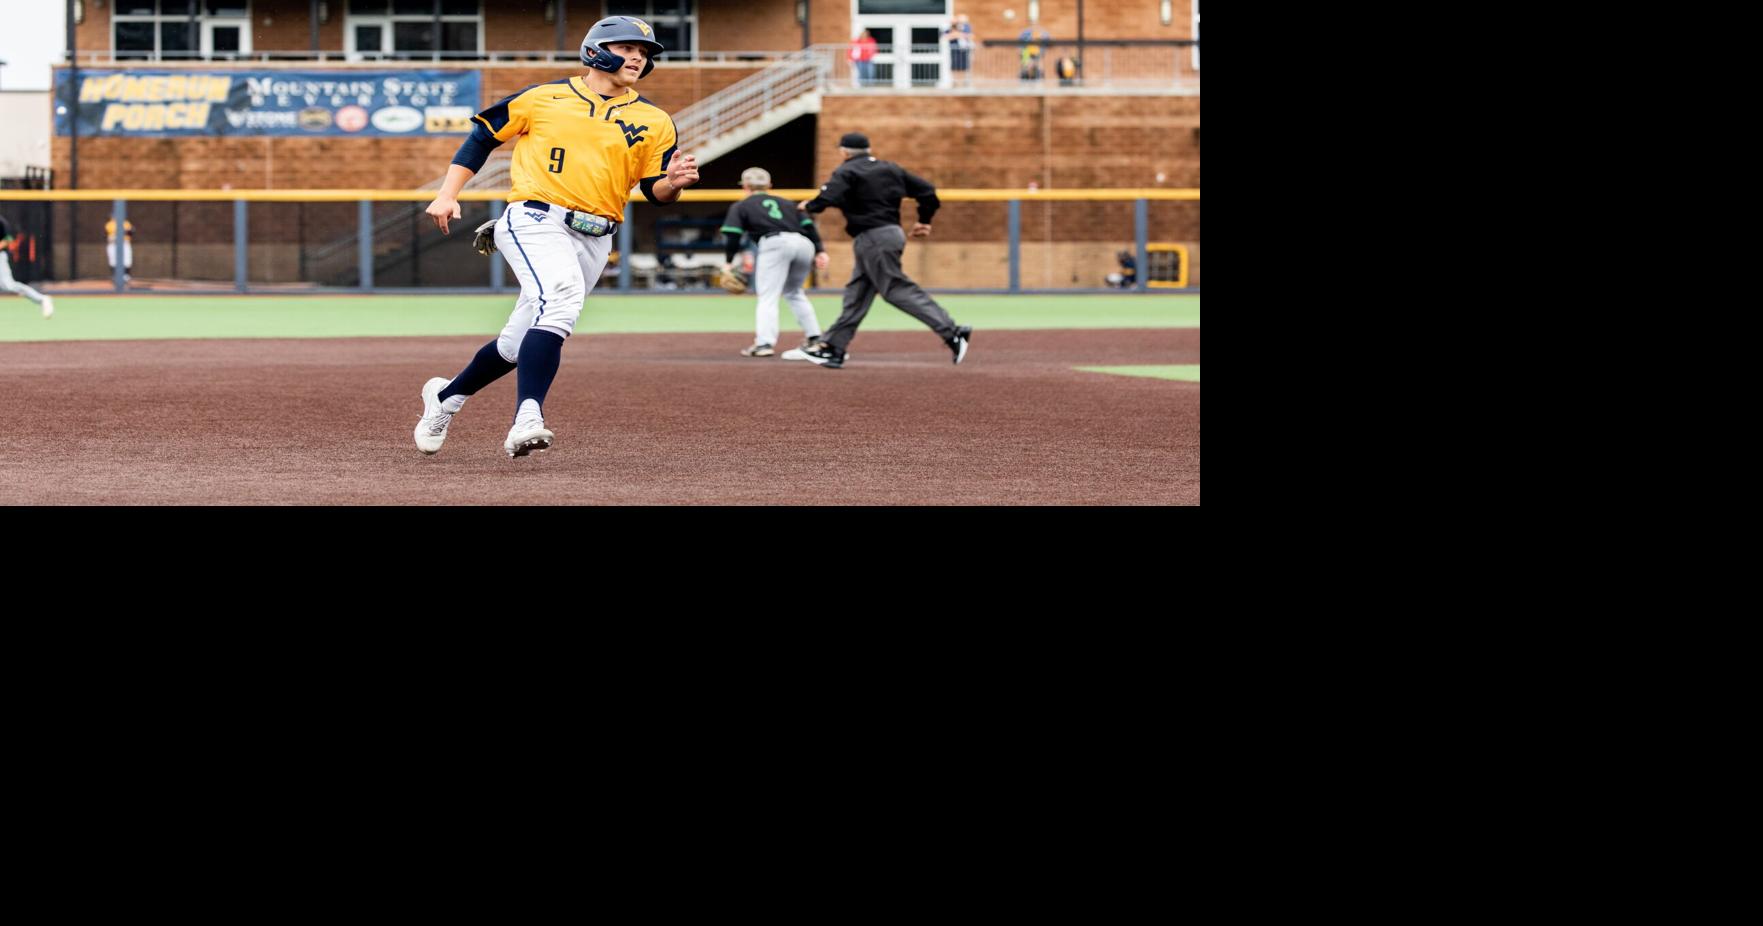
[
  {"x": 484, "y": 369},
  {"x": 541, "y": 352}
]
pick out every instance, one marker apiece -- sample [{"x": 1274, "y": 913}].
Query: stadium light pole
[
  {"x": 562, "y": 17},
  {"x": 73, "y": 142},
  {"x": 1080, "y": 39}
]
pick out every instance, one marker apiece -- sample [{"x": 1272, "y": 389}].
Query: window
[
  {"x": 900, "y": 7},
  {"x": 408, "y": 29},
  {"x": 149, "y": 30},
  {"x": 675, "y": 21}
]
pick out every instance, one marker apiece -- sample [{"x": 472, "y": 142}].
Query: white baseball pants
[
  {"x": 557, "y": 268},
  {"x": 10, "y": 285},
  {"x": 781, "y": 266}
]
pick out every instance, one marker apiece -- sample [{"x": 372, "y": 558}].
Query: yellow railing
[{"x": 483, "y": 196}]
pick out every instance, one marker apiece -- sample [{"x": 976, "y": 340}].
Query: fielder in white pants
[
  {"x": 10, "y": 285},
  {"x": 789, "y": 246},
  {"x": 780, "y": 269},
  {"x": 128, "y": 247}
]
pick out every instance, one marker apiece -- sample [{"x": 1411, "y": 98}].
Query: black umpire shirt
[
  {"x": 5, "y": 228},
  {"x": 761, "y": 215},
  {"x": 869, "y": 191}
]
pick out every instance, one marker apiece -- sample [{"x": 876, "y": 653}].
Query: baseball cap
[
  {"x": 854, "y": 140},
  {"x": 756, "y": 176}
]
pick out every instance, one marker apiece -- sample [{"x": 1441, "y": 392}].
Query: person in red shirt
[{"x": 863, "y": 58}]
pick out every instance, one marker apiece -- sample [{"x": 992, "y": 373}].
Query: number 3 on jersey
[
  {"x": 556, "y": 160},
  {"x": 771, "y": 207}
]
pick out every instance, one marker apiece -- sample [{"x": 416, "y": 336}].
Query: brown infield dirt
[{"x": 644, "y": 419}]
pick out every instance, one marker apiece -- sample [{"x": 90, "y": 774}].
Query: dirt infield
[{"x": 640, "y": 419}]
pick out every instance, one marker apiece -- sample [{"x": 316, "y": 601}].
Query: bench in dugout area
[
  {"x": 693, "y": 270},
  {"x": 644, "y": 268}
]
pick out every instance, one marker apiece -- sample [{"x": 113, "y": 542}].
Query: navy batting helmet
[{"x": 619, "y": 29}]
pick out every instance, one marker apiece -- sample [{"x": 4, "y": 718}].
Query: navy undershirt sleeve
[{"x": 476, "y": 149}]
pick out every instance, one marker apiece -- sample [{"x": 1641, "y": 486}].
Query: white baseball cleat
[
  {"x": 48, "y": 307},
  {"x": 800, "y": 353},
  {"x": 431, "y": 431},
  {"x": 528, "y": 436}
]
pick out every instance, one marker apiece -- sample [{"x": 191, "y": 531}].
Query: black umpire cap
[{"x": 854, "y": 140}]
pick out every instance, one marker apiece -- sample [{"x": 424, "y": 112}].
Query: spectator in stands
[
  {"x": 863, "y": 58},
  {"x": 1066, "y": 68},
  {"x": 1032, "y": 49},
  {"x": 960, "y": 36}
]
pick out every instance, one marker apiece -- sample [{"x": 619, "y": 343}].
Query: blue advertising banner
[{"x": 169, "y": 104}]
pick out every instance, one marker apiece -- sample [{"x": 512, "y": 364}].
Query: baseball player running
[
  {"x": 788, "y": 244},
  {"x": 8, "y": 284},
  {"x": 869, "y": 191},
  {"x": 584, "y": 142}
]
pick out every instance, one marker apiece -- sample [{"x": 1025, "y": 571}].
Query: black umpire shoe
[
  {"x": 958, "y": 343},
  {"x": 826, "y": 355}
]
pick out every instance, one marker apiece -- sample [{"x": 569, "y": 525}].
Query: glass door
[{"x": 910, "y": 51}]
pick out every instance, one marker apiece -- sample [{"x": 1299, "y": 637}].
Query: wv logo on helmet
[{"x": 632, "y": 133}]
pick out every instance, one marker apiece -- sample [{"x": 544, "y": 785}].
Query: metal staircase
[{"x": 754, "y": 105}]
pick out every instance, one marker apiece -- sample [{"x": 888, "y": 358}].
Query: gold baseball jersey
[{"x": 579, "y": 150}]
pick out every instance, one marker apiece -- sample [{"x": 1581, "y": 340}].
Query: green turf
[
  {"x": 123, "y": 318},
  {"x": 1189, "y": 373}
]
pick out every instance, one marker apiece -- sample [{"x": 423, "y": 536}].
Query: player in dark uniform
[
  {"x": 869, "y": 191},
  {"x": 788, "y": 245},
  {"x": 10, "y": 285}
]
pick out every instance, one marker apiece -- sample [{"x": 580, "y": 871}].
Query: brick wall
[
  {"x": 829, "y": 21},
  {"x": 1056, "y": 142},
  {"x": 519, "y": 25},
  {"x": 94, "y": 33},
  {"x": 286, "y": 25},
  {"x": 760, "y": 25}
]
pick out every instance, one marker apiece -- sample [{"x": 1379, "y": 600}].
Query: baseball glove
[
  {"x": 485, "y": 240},
  {"x": 732, "y": 280}
]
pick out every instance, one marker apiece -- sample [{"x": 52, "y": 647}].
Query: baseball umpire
[
  {"x": 788, "y": 246},
  {"x": 581, "y": 145},
  {"x": 869, "y": 191}
]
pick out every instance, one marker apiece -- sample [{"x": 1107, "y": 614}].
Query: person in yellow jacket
[{"x": 128, "y": 246}]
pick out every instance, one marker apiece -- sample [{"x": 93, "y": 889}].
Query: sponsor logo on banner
[
  {"x": 147, "y": 103},
  {"x": 351, "y": 118},
  {"x": 445, "y": 119},
  {"x": 397, "y": 119}
]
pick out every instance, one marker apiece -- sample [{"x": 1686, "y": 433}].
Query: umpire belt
[{"x": 587, "y": 223}]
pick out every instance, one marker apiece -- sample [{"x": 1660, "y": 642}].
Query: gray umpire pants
[
  {"x": 10, "y": 285},
  {"x": 782, "y": 264},
  {"x": 876, "y": 254}
]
